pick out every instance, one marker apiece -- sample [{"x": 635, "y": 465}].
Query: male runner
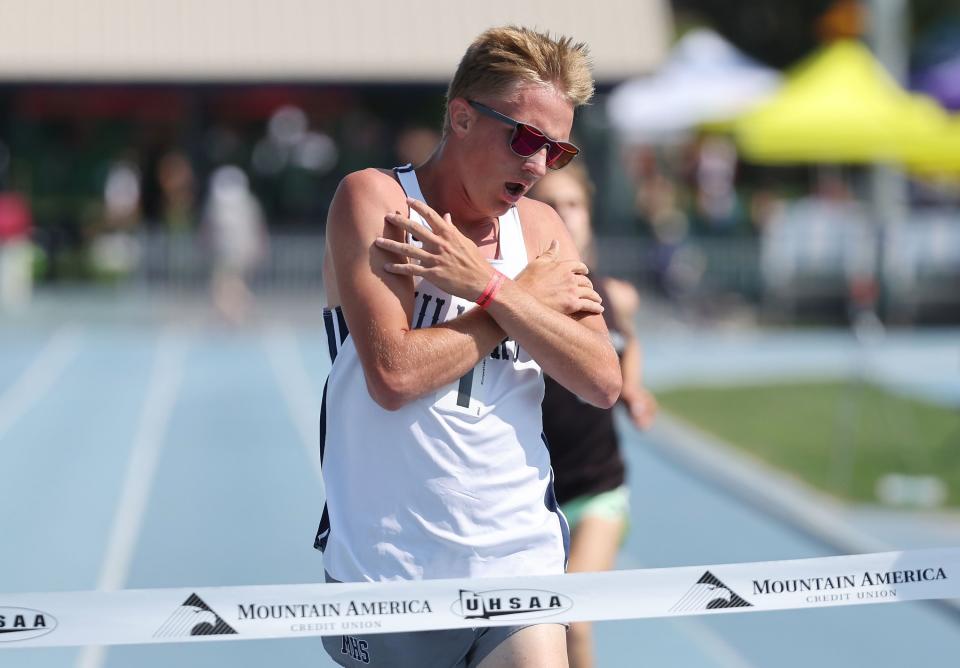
[{"x": 449, "y": 291}]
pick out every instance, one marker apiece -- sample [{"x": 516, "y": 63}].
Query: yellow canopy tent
[
  {"x": 840, "y": 106},
  {"x": 938, "y": 153}
]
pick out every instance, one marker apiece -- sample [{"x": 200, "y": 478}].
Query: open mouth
[{"x": 515, "y": 189}]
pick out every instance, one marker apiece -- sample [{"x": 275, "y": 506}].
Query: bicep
[{"x": 372, "y": 300}]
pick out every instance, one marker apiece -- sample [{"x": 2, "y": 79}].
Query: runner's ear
[{"x": 461, "y": 116}]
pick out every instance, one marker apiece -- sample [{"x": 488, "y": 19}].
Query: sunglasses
[{"x": 527, "y": 140}]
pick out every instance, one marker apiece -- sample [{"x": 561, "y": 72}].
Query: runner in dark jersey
[{"x": 584, "y": 447}]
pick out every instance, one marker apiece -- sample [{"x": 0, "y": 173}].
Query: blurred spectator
[
  {"x": 765, "y": 204},
  {"x": 659, "y": 195},
  {"x": 715, "y": 174},
  {"x": 660, "y": 209},
  {"x": 121, "y": 196},
  {"x": 820, "y": 250},
  {"x": 176, "y": 179},
  {"x": 114, "y": 250},
  {"x": 16, "y": 251},
  {"x": 289, "y": 142},
  {"x": 16, "y": 248},
  {"x": 832, "y": 187},
  {"x": 294, "y": 163},
  {"x": 236, "y": 231}
]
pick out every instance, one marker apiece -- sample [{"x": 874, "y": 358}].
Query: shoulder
[
  {"x": 624, "y": 298},
  {"x": 370, "y": 185},
  {"x": 362, "y": 199},
  {"x": 537, "y": 212},
  {"x": 541, "y": 225},
  {"x": 356, "y": 215}
]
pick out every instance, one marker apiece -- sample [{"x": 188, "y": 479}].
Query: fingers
[
  {"x": 422, "y": 232},
  {"x": 587, "y": 302},
  {"x": 437, "y": 223},
  {"x": 407, "y": 250},
  {"x": 404, "y": 269},
  {"x": 590, "y": 294},
  {"x": 589, "y": 306}
]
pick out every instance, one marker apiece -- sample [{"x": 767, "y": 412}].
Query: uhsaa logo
[
  {"x": 24, "y": 623},
  {"x": 514, "y": 603}
]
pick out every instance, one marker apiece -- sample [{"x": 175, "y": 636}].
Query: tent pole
[{"x": 888, "y": 35}]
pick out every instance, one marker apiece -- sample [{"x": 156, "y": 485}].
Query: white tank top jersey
[{"x": 456, "y": 483}]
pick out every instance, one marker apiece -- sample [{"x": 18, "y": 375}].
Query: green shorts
[{"x": 613, "y": 505}]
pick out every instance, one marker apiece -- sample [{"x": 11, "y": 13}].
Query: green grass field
[{"x": 838, "y": 436}]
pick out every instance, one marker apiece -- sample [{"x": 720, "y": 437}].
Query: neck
[{"x": 442, "y": 185}]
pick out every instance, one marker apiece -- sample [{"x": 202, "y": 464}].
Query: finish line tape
[{"x": 288, "y": 611}]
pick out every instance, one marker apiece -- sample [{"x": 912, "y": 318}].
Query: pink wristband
[{"x": 489, "y": 292}]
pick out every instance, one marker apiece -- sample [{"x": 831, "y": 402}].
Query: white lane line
[
  {"x": 716, "y": 646},
  {"x": 37, "y": 379},
  {"x": 158, "y": 406},
  {"x": 302, "y": 401}
]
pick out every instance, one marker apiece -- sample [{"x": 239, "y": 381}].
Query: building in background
[{"x": 296, "y": 95}]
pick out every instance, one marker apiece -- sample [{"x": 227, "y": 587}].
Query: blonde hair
[{"x": 502, "y": 57}]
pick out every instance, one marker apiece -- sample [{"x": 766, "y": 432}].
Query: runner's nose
[{"x": 536, "y": 164}]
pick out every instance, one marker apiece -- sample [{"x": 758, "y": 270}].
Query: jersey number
[{"x": 459, "y": 395}]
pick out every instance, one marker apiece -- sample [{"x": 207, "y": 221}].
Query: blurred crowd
[
  {"x": 785, "y": 238},
  {"x": 105, "y": 183},
  {"x": 89, "y": 175}
]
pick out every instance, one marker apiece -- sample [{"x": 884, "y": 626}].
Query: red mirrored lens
[
  {"x": 559, "y": 154},
  {"x": 528, "y": 140}
]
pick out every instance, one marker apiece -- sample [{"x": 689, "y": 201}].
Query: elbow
[
  {"x": 389, "y": 391},
  {"x": 607, "y": 387},
  {"x": 598, "y": 384},
  {"x": 609, "y": 391},
  {"x": 387, "y": 400}
]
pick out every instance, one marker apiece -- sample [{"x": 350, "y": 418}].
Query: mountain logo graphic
[
  {"x": 709, "y": 594},
  {"x": 194, "y": 618}
]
